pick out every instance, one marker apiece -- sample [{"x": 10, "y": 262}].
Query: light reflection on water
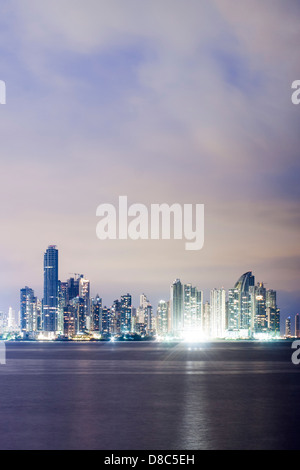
[{"x": 148, "y": 396}]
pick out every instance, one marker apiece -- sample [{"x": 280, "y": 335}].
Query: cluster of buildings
[
  {"x": 68, "y": 310},
  {"x": 247, "y": 310}
]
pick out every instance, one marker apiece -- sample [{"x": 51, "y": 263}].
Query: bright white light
[
  {"x": 193, "y": 336},
  {"x": 49, "y": 336},
  {"x": 96, "y": 336},
  {"x": 263, "y": 336}
]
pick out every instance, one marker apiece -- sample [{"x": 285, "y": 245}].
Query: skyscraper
[
  {"x": 116, "y": 317},
  {"x": 105, "y": 321},
  {"x": 217, "y": 313},
  {"x": 162, "y": 318},
  {"x": 297, "y": 325},
  {"x": 73, "y": 288},
  {"x": 241, "y": 304},
  {"x": 62, "y": 304},
  {"x": 288, "y": 330},
  {"x": 96, "y": 308},
  {"x": 12, "y": 320},
  {"x": 84, "y": 293},
  {"x": 193, "y": 308},
  {"x": 260, "y": 318},
  {"x": 272, "y": 312},
  {"x": 3, "y": 322},
  {"x": 79, "y": 314},
  {"x": 177, "y": 308},
  {"x": 50, "y": 301},
  {"x": 206, "y": 320},
  {"x": 70, "y": 320},
  {"x": 233, "y": 310},
  {"x": 145, "y": 316},
  {"x": 126, "y": 309},
  {"x": 26, "y": 298}
]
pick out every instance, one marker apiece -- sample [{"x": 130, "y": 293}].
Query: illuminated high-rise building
[
  {"x": 297, "y": 325},
  {"x": 105, "y": 321},
  {"x": 288, "y": 330},
  {"x": 72, "y": 288},
  {"x": 192, "y": 308},
  {"x": 233, "y": 309},
  {"x": 115, "y": 317},
  {"x": 96, "y": 307},
  {"x": 50, "y": 301},
  {"x": 177, "y": 308},
  {"x": 272, "y": 312},
  {"x": 162, "y": 320},
  {"x": 70, "y": 320},
  {"x": 12, "y": 321},
  {"x": 125, "y": 313},
  {"x": 3, "y": 322},
  {"x": 144, "y": 320},
  {"x": 79, "y": 306},
  {"x": 134, "y": 319},
  {"x": 206, "y": 320},
  {"x": 84, "y": 294},
  {"x": 241, "y": 304},
  {"x": 186, "y": 309},
  {"x": 62, "y": 303},
  {"x": 217, "y": 313},
  {"x": 260, "y": 318},
  {"x": 149, "y": 320},
  {"x": 26, "y": 298},
  {"x": 30, "y": 312}
]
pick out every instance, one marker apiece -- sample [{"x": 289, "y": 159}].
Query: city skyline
[
  {"x": 51, "y": 257},
  {"x": 69, "y": 307}
]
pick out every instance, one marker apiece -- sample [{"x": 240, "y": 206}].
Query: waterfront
[{"x": 121, "y": 396}]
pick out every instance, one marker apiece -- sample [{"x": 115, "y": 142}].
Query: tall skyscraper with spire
[{"x": 50, "y": 301}]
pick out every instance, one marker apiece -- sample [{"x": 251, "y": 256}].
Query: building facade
[{"x": 51, "y": 289}]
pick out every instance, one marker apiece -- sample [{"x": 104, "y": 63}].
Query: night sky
[{"x": 173, "y": 101}]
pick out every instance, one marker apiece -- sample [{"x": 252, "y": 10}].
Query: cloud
[{"x": 164, "y": 102}]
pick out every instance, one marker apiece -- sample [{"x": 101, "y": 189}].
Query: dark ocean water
[{"x": 151, "y": 396}]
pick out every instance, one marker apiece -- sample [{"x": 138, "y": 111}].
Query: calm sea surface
[{"x": 152, "y": 396}]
